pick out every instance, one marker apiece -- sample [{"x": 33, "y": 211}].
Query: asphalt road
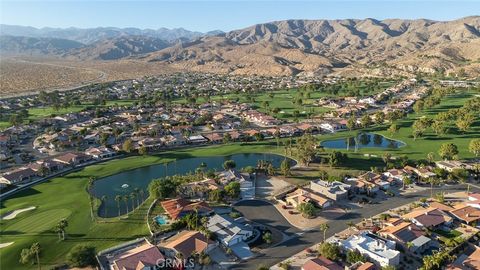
[{"x": 265, "y": 213}]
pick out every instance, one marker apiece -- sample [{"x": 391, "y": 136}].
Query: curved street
[{"x": 263, "y": 212}]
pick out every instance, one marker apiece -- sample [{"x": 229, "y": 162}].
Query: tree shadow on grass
[
  {"x": 102, "y": 239},
  {"x": 8, "y": 233},
  {"x": 437, "y": 138},
  {"x": 24, "y": 193}
]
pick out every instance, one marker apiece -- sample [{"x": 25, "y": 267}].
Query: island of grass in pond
[
  {"x": 123, "y": 184},
  {"x": 363, "y": 140}
]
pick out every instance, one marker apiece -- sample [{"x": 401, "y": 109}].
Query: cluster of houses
[
  {"x": 415, "y": 234},
  {"x": 232, "y": 234},
  {"x": 53, "y": 165},
  {"x": 324, "y": 193},
  {"x": 174, "y": 85}
]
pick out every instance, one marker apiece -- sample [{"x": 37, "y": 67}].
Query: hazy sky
[{"x": 224, "y": 15}]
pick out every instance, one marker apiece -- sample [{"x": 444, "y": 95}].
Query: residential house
[
  {"x": 72, "y": 159},
  {"x": 376, "y": 179},
  {"x": 196, "y": 139},
  {"x": 379, "y": 250},
  {"x": 404, "y": 232},
  {"x": 100, "y": 152},
  {"x": 474, "y": 200},
  {"x": 333, "y": 127},
  {"x": 199, "y": 189},
  {"x": 473, "y": 260},
  {"x": 228, "y": 232},
  {"x": 301, "y": 195},
  {"x": 450, "y": 165},
  {"x": 397, "y": 174},
  {"x": 177, "y": 208},
  {"x": 466, "y": 213},
  {"x": 187, "y": 243},
  {"x": 17, "y": 176},
  {"x": 334, "y": 190},
  {"x": 214, "y": 137},
  {"x": 321, "y": 263},
  {"x": 430, "y": 217},
  {"x": 362, "y": 266},
  {"x": 49, "y": 165},
  {"x": 362, "y": 186},
  {"x": 247, "y": 188},
  {"x": 144, "y": 257}
]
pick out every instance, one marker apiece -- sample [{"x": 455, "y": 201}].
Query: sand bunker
[
  {"x": 14, "y": 213},
  {"x": 2, "y": 245}
]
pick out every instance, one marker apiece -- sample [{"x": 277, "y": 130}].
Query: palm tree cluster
[
  {"x": 31, "y": 255},
  {"x": 60, "y": 228},
  {"x": 136, "y": 197},
  {"x": 436, "y": 260}
]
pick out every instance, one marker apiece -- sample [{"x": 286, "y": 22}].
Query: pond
[
  {"x": 125, "y": 183},
  {"x": 363, "y": 140}
]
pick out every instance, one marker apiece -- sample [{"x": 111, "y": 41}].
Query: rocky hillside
[
  {"x": 92, "y": 35},
  {"x": 118, "y": 48},
  {"x": 278, "y": 48},
  {"x": 41, "y": 46},
  {"x": 318, "y": 46}
]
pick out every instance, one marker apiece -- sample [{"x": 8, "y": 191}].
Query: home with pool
[{"x": 178, "y": 208}]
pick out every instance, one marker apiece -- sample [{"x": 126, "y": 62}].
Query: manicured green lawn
[
  {"x": 430, "y": 142},
  {"x": 66, "y": 197},
  {"x": 39, "y": 113},
  {"x": 284, "y": 100},
  {"x": 450, "y": 234}
]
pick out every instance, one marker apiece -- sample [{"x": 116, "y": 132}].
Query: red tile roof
[
  {"x": 321, "y": 263},
  {"x": 176, "y": 207},
  {"x": 473, "y": 260},
  {"x": 146, "y": 255},
  {"x": 428, "y": 217},
  {"x": 188, "y": 241}
]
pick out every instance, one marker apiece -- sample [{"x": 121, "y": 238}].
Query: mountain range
[{"x": 276, "y": 48}]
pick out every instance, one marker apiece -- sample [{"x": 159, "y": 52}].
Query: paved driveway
[{"x": 264, "y": 212}]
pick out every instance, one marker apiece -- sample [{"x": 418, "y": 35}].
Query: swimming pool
[{"x": 161, "y": 220}]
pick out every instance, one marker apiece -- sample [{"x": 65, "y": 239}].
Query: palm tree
[
  {"x": 104, "y": 202},
  {"x": 26, "y": 256},
  {"x": 433, "y": 181},
  {"x": 62, "y": 225},
  {"x": 204, "y": 221},
  {"x": 133, "y": 196},
  {"x": 410, "y": 245},
  {"x": 350, "y": 224},
  {"x": 125, "y": 199},
  {"x": 142, "y": 193},
  {"x": 118, "y": 198},
  {"x": 137, "y": 191},
  {"x": 406, "y": 181},
  {"x": 91, "y": 207},
  {"x": 324, "y": 227},
  {"x": 91, "y": 179},
  {"x": 35, "y": 249}
]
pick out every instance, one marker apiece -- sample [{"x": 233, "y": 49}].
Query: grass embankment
[{"x": 66, "y": 197}]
